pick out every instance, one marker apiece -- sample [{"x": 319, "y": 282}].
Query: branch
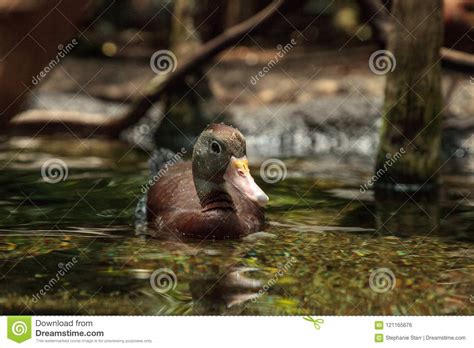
[
  {"x": 84, "y": 126},
  {"x": 460, "y": 59},
  {"x": 228, "y": 38},
  {"x": 157, "y": 86}
]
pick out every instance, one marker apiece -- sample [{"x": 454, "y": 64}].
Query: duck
[{"x": 213, "y": 196}]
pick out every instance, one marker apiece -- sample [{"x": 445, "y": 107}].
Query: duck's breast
[{"x": 173, "y": 190}]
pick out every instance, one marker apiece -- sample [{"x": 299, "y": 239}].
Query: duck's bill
[{"x": 238, "y": 175}]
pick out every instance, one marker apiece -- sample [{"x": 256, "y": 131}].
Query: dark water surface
[{"x": 70, "y": 247}]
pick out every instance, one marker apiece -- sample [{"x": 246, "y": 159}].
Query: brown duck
[{"x": 214, "y": 196}]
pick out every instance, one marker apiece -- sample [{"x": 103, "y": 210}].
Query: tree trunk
[
  {"x": 183, "y": 107},
  {"x": 411, "y": 127},
  {"x": 184, "y": 38}
]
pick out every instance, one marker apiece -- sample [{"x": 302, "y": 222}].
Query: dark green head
[{"x": 219, "y": 159}]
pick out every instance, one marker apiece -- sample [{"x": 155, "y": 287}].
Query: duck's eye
[{"x": 215, "y": 147}]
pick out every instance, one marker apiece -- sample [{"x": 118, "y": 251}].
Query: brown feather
[{"x": 174, "y": 208}]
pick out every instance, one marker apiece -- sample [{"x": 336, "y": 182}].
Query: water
[{"x": 71, "y": 247}]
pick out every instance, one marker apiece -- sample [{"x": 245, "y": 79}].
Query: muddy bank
[
  {"x": 333, "y": 125},
  {"x": 310, "y": 103}
]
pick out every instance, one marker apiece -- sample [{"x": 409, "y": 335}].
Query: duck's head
[{"x": 219, "y": 160}]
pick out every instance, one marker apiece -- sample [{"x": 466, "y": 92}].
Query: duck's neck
[
  {"x": 217, "y": 200},
  {"x": 213, "y": 196}
]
